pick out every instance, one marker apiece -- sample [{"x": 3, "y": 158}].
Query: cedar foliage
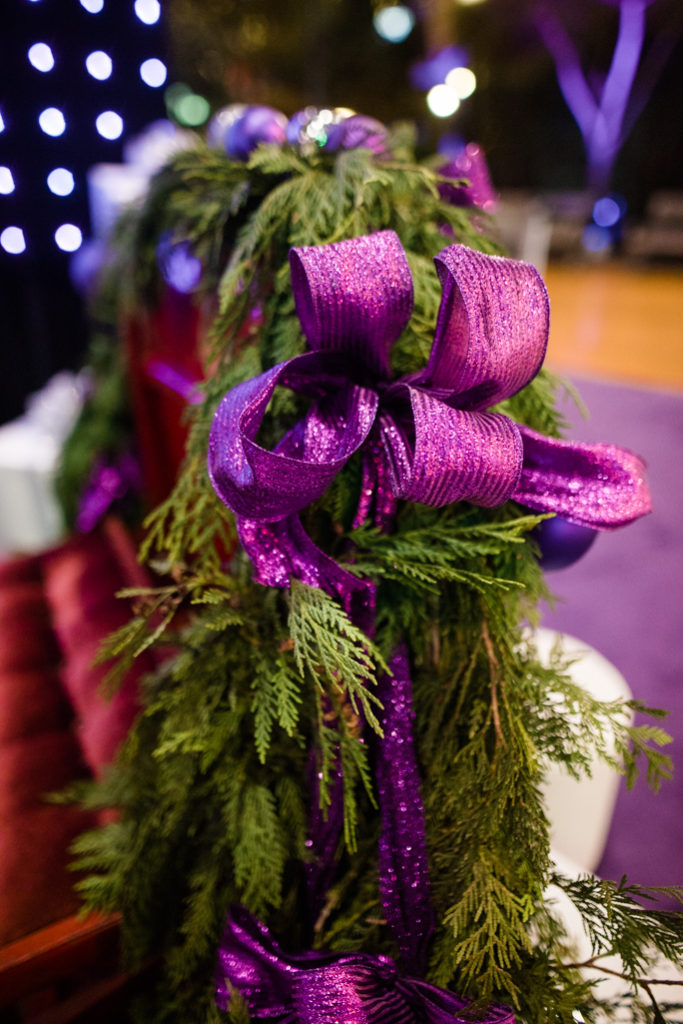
[{"x": 212, "y": 782}]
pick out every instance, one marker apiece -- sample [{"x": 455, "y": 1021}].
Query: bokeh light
[
  {"x": 394, "y": 23},
  {"x": 462, "y": 81},
  {"x": 153, "y": 72},
  {"x": 606, "y": 212},
  {"x": 92, "y": 6},
  {"x": 52, "y": 121},
  {"x": 148, "y": 11},
  {"x": 60, "y": 181},
  {"x": 12, "y": 240},
  {"x": 68, "y": 237},
  {"x": 442, "y": 100},
  {"x": 595, "y": 238},
  {"x": 186, "y": 107},
  {"x": 109, "y": 124},
  {"x": 41, "y": 57},
  {"x": 99, "y": 65},
  {"x": 6, "y": 181}
]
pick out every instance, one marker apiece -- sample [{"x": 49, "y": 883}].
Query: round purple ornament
[
  {"x": 309, "y": 128},
  {"x": 221, "y": 122},
  {"x": 562, "y": 543},
  {"x": 356, "y": 132},
  {"x": 256, "y": 125}
]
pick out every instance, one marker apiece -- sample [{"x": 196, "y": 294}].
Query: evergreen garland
[{"x": 212, "y": 782}]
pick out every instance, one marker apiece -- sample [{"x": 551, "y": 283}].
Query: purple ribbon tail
[
  {"x": 325, "y": 829},
  {"x": 403, "y": 868},
  {"x": 283, "y": 551},
  {"x": 597, "y": 485},
  {"x": 328, "y": 988}
]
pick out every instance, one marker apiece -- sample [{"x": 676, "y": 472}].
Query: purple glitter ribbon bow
[
  {"x": 328, "y": 988},
  {"x": 426, "y": 438}
]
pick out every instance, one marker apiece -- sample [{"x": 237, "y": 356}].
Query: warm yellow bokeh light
[
  {"x": 462, "y": 81},
  {"x": 442, "y": 100}
]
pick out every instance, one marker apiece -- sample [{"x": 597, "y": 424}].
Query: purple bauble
[
  {"x": 297, "y": 125},
  {"x": 562, "y": 543},
  {"x": 356, "y": 132},
  {"x": 256, "y": 125},
  {"x": 222, "y": 121}
]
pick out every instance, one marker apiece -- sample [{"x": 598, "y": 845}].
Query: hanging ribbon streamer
[
  {"x": 426, "y": 438},
  {"x": 403, "y": 868}
]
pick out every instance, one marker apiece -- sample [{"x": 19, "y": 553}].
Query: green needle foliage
[{"x": 213, "y": 784}]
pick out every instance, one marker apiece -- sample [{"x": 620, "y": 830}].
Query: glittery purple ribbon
[
  {"x": 402, "y": 860},
  {"x": 326, "y": 988},
  {"x": 426, "y": 438},
  {"x": 470, "y": 163}
]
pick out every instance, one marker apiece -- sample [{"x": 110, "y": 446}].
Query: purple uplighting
[{"x": 600, "y": 119}]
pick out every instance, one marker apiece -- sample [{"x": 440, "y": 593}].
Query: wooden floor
[{"x": 614, "y": 322}]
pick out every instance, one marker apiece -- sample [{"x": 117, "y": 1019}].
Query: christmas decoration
[
  {"x": 562, "y": 543},
  {"x": 255, "y": 125},
  {"x": 470, "y": 164},
  {"x": 330, "y": 803}
]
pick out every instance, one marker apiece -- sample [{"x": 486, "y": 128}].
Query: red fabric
[
  {"x": 81, "y": 580},
  {"x": 54, "y": 720},
  {"x": 32, "y": 702},
  {"x": 169, "y": 335},
  {"x": 35, "y": 887},
  {"x": 38, "y": 754}
]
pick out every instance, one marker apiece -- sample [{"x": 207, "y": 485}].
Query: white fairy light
[
  {"x": 442, "y": 100},
  {"x": 68, "y": 237},
  {"x": 13, "y": 241},
  {"x": 52, "y": 121},
  {"x": 109, "y": 124},
  {"x": 41, "y": 57},
  {"x": 153, "y": 72},
  {"x": 99, "y": 65},
  {"x": 60, "y": 181}
]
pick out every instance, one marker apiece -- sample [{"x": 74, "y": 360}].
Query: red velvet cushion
[
  {"x": 81, "y": 580},
  {"x": 38, "y": 754},
  {"x": 35, "y": 887},
  {"x": 27, "y": 640},
  {"x": 31, "y": 702}
]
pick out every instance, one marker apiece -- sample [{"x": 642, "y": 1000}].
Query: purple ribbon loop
[
  {"x": 492, "y": 328},
  {"x": 354, "y": 297},
  {"x": 327, "y": 988}
]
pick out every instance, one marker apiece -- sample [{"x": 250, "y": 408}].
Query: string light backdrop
[{"x": 77, "y": 79}]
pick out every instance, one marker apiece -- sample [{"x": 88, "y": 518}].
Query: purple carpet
[{"x": 625, "y": 598}]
